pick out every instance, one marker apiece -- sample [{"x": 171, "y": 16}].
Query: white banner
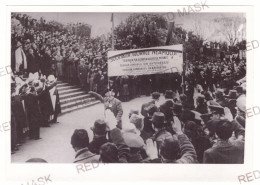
[{"x": 164, "y": 59}]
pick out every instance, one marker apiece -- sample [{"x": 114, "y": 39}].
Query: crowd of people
[
  {"x": 201, "y": 121},
  {"x": 34, "y": 104},
  {"x": 209, "y": 128}
]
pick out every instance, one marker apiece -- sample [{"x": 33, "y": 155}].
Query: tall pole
[
  {"x": 113, "y": 44},
  {"x": 112, "y": 20},
  {"x": 169, "y": 34}
]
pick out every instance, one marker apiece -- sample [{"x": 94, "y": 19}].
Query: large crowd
[
  {"x": 208, "y": 128},
  {"x": 202, "y": 119}
]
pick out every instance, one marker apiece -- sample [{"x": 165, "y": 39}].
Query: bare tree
[{"x": 230, "y": 27}]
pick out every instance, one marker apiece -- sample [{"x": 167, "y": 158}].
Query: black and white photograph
[{"x": 129, "y": 87}]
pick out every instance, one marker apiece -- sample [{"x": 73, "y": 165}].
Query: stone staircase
[{"x": 73, "y": 98}]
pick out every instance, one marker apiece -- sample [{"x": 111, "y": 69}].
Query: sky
[{"x": 101, "y": 23}]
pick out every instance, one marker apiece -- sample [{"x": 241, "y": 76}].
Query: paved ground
[{"x": 55, "y": 145}]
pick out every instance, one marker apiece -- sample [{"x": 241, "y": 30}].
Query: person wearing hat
[
  {"x": 177, "y": 109},
  {"x": 220, "y": 99},
  {"x": 225, "y": 150},
  {"x": 172, "y": 150},
  {"x": 231, "y": 99},
  {"x": 159, "y": 126},
  {"x": 33, "y": 65},
  {"x": 228, "y": 82},
  {"x": 33, "y": 112},
  {"x": 148, "y": 128},
  {"x": 201, "y": 80},
  {"x": 112, "y": 103},
  {"x": 44, "y": 97},
  {"x": 218, "y": 113},
  {"x": 167, "y": 106},
  {"x": 188, "y": 91},
  {"x": 46, "y": 63},
  {"x": 115, "y": 151},
  {"x": 155, "y": 100},
  {"x": 19, "y": 113},
  {"x": 136, "y": 144},
  {"x": 201, "y": 105},
  {"x": 232, "y": 94},
  {"x": 100, "y": 130},
  {"x": 80, "y": 143},
  {"x": 199, "y": 140}
]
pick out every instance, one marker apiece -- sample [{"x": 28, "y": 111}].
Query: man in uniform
[{"x": 112, "y": 103}]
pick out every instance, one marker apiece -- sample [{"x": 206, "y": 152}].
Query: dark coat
[
  {"x": 202, "y": 108},
  {"x": 135, "y": 157},
  {"x": 166, "y": 109},
  {"x": 45, "y": 65},
  {"x": 32, "y": 64},
  {"x": 143, "y": 111},
  {"x": 148, "y": 129},
  {"x": 201, "y": 144},
  {"x": 19, "y": 112},
  {"x": 97, "y": 142},
  {"x": 33, "y": 111},
  {"x": 231, "y": 152},
  {"x": 160, "y": 136},
  {"x": 85, "y": 156},
  {"x": 57, "y": 103},
  {"x": 189, "y": 92},
  {"x": 222, "y": 102},
  {"x": 45, "y": 102}
]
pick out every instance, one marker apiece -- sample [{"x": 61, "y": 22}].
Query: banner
[{"x": 164, "y": 59}]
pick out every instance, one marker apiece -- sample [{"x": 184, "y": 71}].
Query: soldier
[{"x": 112, "y": 103}]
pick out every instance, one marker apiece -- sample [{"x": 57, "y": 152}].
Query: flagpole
[
  {"x": 112, "y": 20},
  {"x": 112, "y": 45}
]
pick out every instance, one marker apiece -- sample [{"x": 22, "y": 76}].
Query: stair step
[
  {"x": 68, "y": 110},
  {"x": 67, "y": 100},
  {"x": 66, "y": 87},
  {"x": 62, "y": 84},
  {"x": 73, "y": 94},
  {"x": 67, "y": 91},
  {"x": 77, "y": 102}
]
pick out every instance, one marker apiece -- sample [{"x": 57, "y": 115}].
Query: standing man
[{"x": 112, "y": 103}]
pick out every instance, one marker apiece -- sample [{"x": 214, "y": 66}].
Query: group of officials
[{"x": 34, "y": 104}]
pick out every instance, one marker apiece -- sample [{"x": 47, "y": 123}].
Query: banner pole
[
  {"x": 112, "y": 44},
  {"x": 182, "y": 76}
]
